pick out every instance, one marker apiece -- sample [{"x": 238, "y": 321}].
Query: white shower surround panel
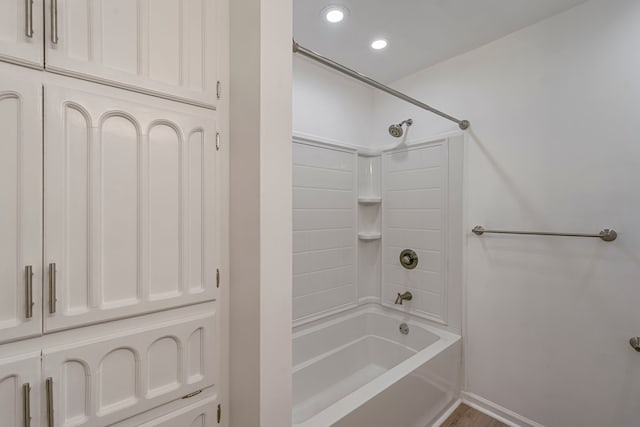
[
  {"x": 415, "y": 216},
  {"x": 324, "y": 229},
  {"x": 422, "y": 182},
  {"x": 358, "y": 369},
  {"x": 422, "y": 185}
]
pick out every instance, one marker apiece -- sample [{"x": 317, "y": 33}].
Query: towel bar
[{"x": 607, "y": 235}]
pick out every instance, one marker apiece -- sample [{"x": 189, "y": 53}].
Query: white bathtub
[{"x": 358, "y": 370}]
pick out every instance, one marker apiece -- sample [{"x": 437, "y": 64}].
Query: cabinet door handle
[
  {"x": 26, "y": 404},
  {"x": 52, "y": 288},
  {"x": 28, "y": 278},
  {"x": 28, "y": 29},
  {"x": 54, "y": 21},
  {"x": 49, "y": 385}
]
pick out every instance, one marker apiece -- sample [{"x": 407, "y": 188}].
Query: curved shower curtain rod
[{"x": 464, "y": 124}]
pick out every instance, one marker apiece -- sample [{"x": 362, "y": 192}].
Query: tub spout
[{"x": 403, "y": 297}]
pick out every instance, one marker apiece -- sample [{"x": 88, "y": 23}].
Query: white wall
[
  {"x": 329, "y": 106},
  {"x": 260, "y": 213},
  {"x": 553, "y": 146}
]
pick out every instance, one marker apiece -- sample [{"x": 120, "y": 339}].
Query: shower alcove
[{"x": 354, "y": 211}]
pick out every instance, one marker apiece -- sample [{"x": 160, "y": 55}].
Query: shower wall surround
[
  {"x": 324, "y": 229},
  {"x": 421, "y": 199},
  {"x": 332, "y": 114},
  {"x": 415, "y": 218},
  {"x": 352, "y": 217}
]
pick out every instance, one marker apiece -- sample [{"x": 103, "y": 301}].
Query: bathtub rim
[
  {"x": 375, "y": 308},
  {"x": 338, "y": 410}
]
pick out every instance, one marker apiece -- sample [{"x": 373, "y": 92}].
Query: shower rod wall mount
[{"x": 463, "y": 124}]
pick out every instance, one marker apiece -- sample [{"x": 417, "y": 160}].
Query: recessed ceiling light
[
  {"x": 379, "y": 44},
  {"x": 334, "y": 14}
]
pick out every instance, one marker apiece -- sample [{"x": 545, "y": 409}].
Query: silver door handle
[
  {"x": 49, "y": 385},
  {"x": 54, "y": 21},
  {"x": 52, "y": 288},
  {"x": 26, "y": 404},
  {"x": 28, "y": 277},
  {"x": 28, "y": 28}
]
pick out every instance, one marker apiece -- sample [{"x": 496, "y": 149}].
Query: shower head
[{"x": 396, "y": 131}]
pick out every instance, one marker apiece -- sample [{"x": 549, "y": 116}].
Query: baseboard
[
  {"x": 447, "y": 413},
  {"x": 496, "y": 411}
]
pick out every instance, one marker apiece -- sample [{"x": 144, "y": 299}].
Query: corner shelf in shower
[
  {"x": 369, "y": 200},
  {"x": 369, "y": 235}
]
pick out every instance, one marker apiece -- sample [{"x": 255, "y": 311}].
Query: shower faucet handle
[
  {"x": 635, "y": 343},
  {"x": 409, "y": 259}
]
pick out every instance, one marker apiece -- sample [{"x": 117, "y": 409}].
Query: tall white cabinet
[
  {"x": 112, "y": 187},
  {"x": 21, "y": 202}
]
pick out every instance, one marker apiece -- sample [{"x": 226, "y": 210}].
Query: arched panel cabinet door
[
  {"x": 20, "y": 388},
  {"x": 108, "y": 373},
  {"x": 21, "y": 32},
  {"x": 163, "y": 47},
  {"x": 131, "y": 223},
  {"x": 20, "y": 199}
]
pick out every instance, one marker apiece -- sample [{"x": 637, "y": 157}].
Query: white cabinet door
[
  {"x": 21, "y": 205},
  {"x": 21, "y": 38},
  {"x": 131, "y": 218},
  {"x": 20, "y": 391},
  {"x": 121, "y": 371},
  {"x": 166, "y": 47}
]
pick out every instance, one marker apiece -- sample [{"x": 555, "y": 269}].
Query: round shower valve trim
[{"x": 408, "y": 259}]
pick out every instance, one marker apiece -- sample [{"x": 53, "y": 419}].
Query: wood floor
[{"x": 464, "y": 416}]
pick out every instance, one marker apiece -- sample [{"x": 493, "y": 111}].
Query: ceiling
[{"x": 420, "y": 32}]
